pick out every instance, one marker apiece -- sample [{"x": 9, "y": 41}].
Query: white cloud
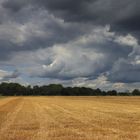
[
  {"x": 128, "y": 40},
  {"x": 3, "y": 73}
]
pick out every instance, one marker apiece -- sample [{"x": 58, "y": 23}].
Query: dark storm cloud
[
  {"x": 122, "y": 13},
  {"x": 131, "y": 23},
  {"x": 68, "y": 39},
  {"x": 30, "y": 29},
  {"x": 14, "y": 5}
]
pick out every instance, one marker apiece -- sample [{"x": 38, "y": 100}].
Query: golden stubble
[{"x": 70, "y": 118}]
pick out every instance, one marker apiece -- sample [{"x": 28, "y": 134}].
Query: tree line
[{"x": 15, "y": 89}]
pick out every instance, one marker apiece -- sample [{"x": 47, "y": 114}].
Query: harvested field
[{"x": 70, "y": 118}]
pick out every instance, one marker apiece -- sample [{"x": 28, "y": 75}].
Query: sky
[{"x": 91, "y": 43}]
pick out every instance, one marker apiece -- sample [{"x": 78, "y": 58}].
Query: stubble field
[{"x": 70, "y": 118}]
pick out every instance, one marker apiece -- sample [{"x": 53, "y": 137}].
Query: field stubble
[{"x": 70, "y": 118}]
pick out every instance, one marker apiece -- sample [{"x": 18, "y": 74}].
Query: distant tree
[
  {"x": 136, "y": 92},
  {"x": 36, "y": 90},
  {"x": 54, "y": 89},
  {"x": 97, "y": 92},
  {"x": 103, "y": 93},
  {"x": 10, "y": 89},
  {"x": 112, "y": 93},
  {"x": 15, "y": 89},
  {"x": 67, "y": 91}
]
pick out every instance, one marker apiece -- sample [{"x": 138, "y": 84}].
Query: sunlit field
[{"x": 70, "y": 118}]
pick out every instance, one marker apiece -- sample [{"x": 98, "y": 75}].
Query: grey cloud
[
  {"x": 10, "y": 75},
  {"x": 88, "y": 56},
  {"x": 39, "y": 29},
  {"x": 65, "y": 40},
  {"x": 15, "y": 5},
  {"x": 39, "y": 24},
  {"x": 125, "y": 71},
  {"x": 122, "y": 13}
]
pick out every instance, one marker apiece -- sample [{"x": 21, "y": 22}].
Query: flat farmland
[{"x": 70, "y": 118}]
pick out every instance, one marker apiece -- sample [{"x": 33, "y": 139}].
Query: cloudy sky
[{"x": 93, "y": 43}]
